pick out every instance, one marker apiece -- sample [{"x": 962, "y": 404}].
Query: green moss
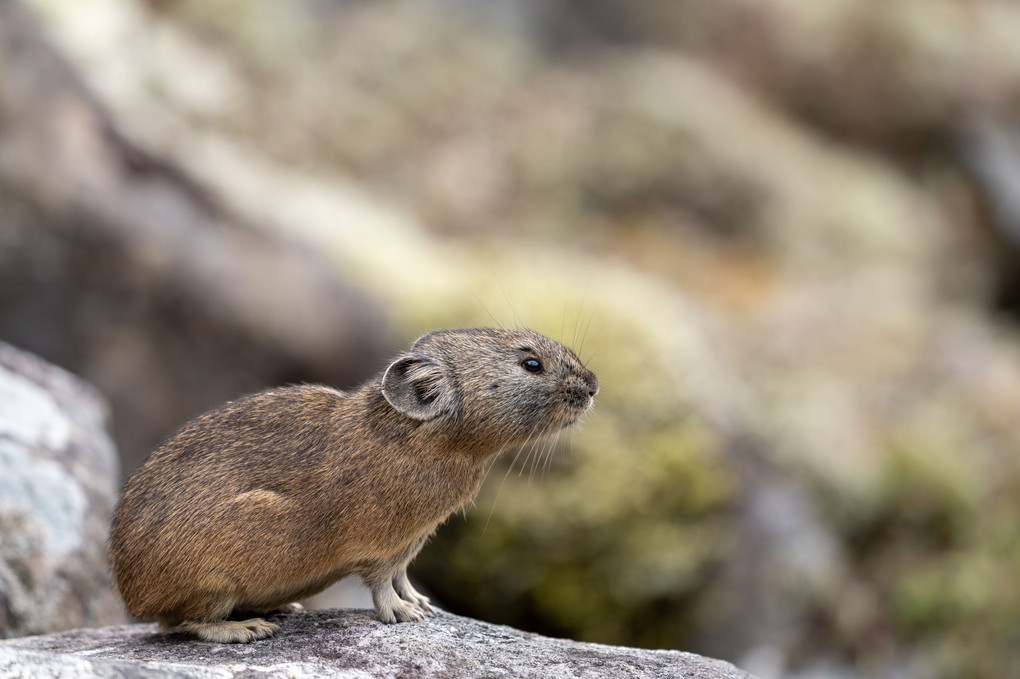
[{"x": 943, "y": 542}]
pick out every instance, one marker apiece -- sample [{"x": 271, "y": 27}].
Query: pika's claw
[
  {"x": 409, "y": 613},
  {"x": 412, "y": 596},
  {"x": 423, "y": 604}
]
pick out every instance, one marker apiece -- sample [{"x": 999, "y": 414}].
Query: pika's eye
[{"x": 532, "y": 365}]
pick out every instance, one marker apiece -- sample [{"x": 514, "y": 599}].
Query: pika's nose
[{"x": 592, "y": 383}]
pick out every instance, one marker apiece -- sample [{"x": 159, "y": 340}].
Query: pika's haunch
[{"x": 275, "y": 496}]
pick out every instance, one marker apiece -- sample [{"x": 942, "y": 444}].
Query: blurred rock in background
[
  {"x": 58, "y": 485},
  {"x": 990, "y": 154},
  {"x": 118, "y": 266},
  {"x": 765, "y": 225}
]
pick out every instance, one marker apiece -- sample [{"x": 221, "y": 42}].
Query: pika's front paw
[{"x": 400, "y": 611}]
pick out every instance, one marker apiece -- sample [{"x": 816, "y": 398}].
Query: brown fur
[{"x": 275, "y": 496}]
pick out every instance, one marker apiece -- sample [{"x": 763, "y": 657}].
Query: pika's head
[{"x": 498, "y": 387}]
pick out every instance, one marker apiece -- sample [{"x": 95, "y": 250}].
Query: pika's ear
[{"x": 414, "y": 384}]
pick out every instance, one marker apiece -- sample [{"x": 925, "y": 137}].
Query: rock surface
[
  {"x": 349, "y": 644},
  {"x": 58, "y": 471}
]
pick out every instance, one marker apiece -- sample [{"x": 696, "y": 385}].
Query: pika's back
[{"x": 255, "y": 438}]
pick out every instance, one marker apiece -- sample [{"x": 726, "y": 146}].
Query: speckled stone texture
[
  {"x": 58, "y": 485},
  {"x": 349, "y": 644}
]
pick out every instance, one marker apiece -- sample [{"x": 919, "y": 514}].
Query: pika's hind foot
[{"x": 230, "y": 631}]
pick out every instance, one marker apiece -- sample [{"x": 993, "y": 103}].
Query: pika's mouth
[
  {"x": 581, "y": 399},
  {"x": 576, "y": 408},
  {"x": 576, "y": 397}
]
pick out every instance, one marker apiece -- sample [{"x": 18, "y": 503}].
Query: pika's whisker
[
  {"x": 547, "y": 446},
  {"x": 486, "y": 309},
  {"x": 505, "y": 476},
  {"x": 584, "y": 335},
  {"x": 552, "y": 451}
]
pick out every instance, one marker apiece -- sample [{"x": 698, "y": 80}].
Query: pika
[{"x": 275, "y": 496}]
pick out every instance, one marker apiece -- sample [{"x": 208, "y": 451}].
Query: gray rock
[
  {"x": 349, "y": 644},
  {"x": 58, "y": 475},
  {"x": 989, "y": 152}
]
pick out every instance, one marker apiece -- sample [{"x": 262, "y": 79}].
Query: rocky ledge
[{"x": 349, "y": 644}]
